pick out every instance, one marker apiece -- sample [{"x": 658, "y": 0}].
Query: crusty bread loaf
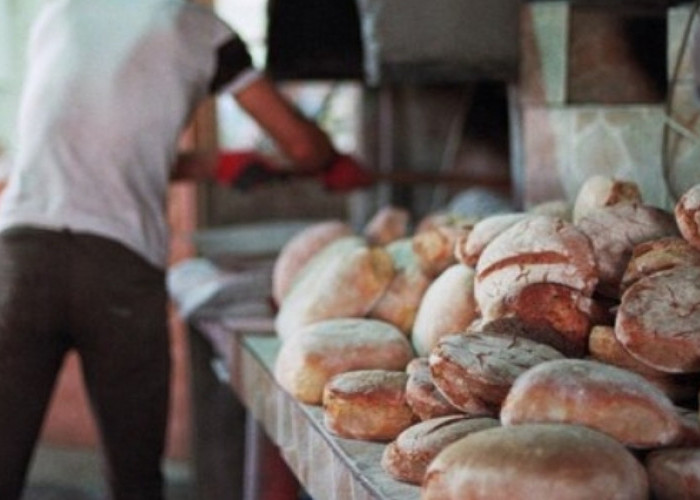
[
  {"x": 674, "y": 473},
  {"x": 344, "y": 280},
  {"x": 407, "y": 457},
  {"x": 306, "y": 362},
  {"x": 448, "y": 306},
  {"x": 612, "y": 400},
  {"x": 614, "y": 232},
  {"x": 658, "y": 255},
  {"x": 435, "y": 247},
  {"x": 658, "y": 321},
  {"x": 426, "y": 401},
  {"x": 603, "y": 191},
  {"x": 485, "y": 364},
  {"x": 535, "y": 462},
  {"x": 299, "y": 249},
  {"x": 538, "y": 249},
  {"x": 468, "y": 249},
  {"x": 367, "y": 404},
  {"x": 386, "y": 225},
  {"x": 399, "y": 303},
  {"x": 687, "y": 213}
]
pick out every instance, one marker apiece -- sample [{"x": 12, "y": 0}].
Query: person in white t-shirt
[{"x": 83, "y": 234}]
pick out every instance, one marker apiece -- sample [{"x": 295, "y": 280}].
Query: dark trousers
[{"x": 59, "y": 291}]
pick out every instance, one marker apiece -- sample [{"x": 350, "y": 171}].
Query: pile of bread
[{"x": 552, "y": 353}]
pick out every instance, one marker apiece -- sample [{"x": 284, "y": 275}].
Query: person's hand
[
  {"x": 345, "y": 174},
  {"x": 246, "y": 170}
]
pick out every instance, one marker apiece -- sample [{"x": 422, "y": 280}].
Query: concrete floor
[{"x": 70, "y": 474}]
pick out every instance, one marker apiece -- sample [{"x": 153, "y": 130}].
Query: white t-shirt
[{"x": 110, "y": 85}]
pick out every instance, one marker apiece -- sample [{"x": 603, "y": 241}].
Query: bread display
[
  {"x": 387, "y": 225},
  {"x": 658, "y": 321},
  {"x": 687, "y": 213},
  {"x": 408, "y": 456},
  {"x": 658, "y": 255},
  {"x": 345, "y": 279},
  {"x": 600, "y": 191},
  {"x": 300, "y": 249},
  {"x": 424, "y": 398},
  {"x": 307, "y": 361},
  {"x": 535, "y": 462},
  {"x": 674, "y": 473},
  {"x": 617, "y": 402},
  {"x": 448, "y": 306},
  {"x": 367, "y": 404}
]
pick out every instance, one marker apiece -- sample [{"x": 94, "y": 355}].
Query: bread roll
[
  {"x": 306, "y": 361},
  {"x": 687, "y": 213},
  {"x": 426, "y": 401},
  {"x": 602, "y": 191},
  {"x": 367, "y": 404},
  {"x": 387, "y": 225},
  {"x": 468, "y": 249},
  {"x": 344, "y": 280},
  {"x": 554, "y": 208},
  {"x": 617, "y": 402},
  {"x": 448, "y": 306},
  {"x": 658, "y": 255},
  {"x": 674, "y": 473},
  {"x": 435, "y": 247},
  {"x": 485, "y": 364},
  {"x": 535, "y": 462},
  {"x": 299, "y": 249},
  {"x": 407, "y": 457},
  {"x": 658, "y": 321}
]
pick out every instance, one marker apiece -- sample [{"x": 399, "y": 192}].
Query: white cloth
[{"x": 110, "y": 85}]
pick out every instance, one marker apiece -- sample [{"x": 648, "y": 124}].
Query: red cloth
[{"x": 346, "y": 174}]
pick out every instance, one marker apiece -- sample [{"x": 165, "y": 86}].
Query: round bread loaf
[
  {"x": 535, "y": 462},
  {"x": 658, "y": 255},
  {"x": 407, "y": 457},
  {"x": 617, "y": 402},
  {"x": 658, "y": 321},
  {"x": 367, "y": 404},
  {"x": 425, "y": 399},
  {"x": 300, "y": 249},
  {"x": 553, "y": 208},
  {"x": 307, "y": 361},
  {"x": 484, "y": 364},
  {"x": 435, "y": 247},
  {"x": 602, "y": 191},
  {"x": 468, "y": 249},
  {"x": 674, "y": 473},
  {"x": 687, "y": 213},
  {"x": 387, "y": 225},
  {"x": 448, "y": 306}
]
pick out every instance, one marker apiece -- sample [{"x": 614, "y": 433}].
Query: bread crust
[
  {"x": 658, "y": 255},
  {"x": 423, "y": 396},
  {"x": 674, "y": 473},
  {"x": 687, "y": 214}
]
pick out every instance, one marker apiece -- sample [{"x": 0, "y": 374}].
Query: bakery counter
[{"x": 327, "y": 467}]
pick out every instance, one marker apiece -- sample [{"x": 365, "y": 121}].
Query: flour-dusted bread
[
  {"x": 426, "y": 401},
  {"x": 300, "y": 249},
  {"x": 687, "y": 213},
  {"x": 399, "y": 303},
  {"x": 435, "y": 247},
  {"x": 690, "y": 427},
  {"x": 614, "y": 232},
  {"x": 674, "y": 473},
  {"x": 323, "y": 349},
  {"x": 658, "y": 321},
  {"x": 538, "y": 249},
  {"x": 468, "y": 249},
  {"x": 554, "y": 208},
  {"x": 615, "y": 401},
  {"x": 345, "y": 279},
  {"x": 535, "y": 462},
  {"x": 485, "y": 364},
  {"x": 603, "y": 191},
  {"x": 408, "y": 456},
  {"x": 658, "y": 255},
  {"x": 367, "y": 404},
  {"x": 388, "y": 224},
  {"x": 448, "y": 306}
]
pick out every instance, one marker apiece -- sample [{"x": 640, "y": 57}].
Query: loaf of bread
[
  {"x": 345, "y": 279},
  {"x": 307, "y": 361},
  {"x": 535, "y": 462},
  {"x": 658, "y": 321},
  {"x": 435, "y": 247},
  {"x": 387, "y": 225},
  {"x": 658, "y": 255},
  {"x": 367, "y": 404},
  {"x": 484, "y": 364},
  {"x": 538, "y": 249},
  {"x": 408, "y": 456},
  {"x": 687, "y": 213},
  {"x": 561, "y": 209},
  {"x": 674, "y": 473},
  {"x": 614, "y": 232},
  {"x": 447, "y": 306},
  {"x": 468, "y": 249},
  {"x": 426, "y": 401},
  {"x": 298, "y": 251},
  {"x": 600, "y": 191},
  {"x": 612, "y": 400}
]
